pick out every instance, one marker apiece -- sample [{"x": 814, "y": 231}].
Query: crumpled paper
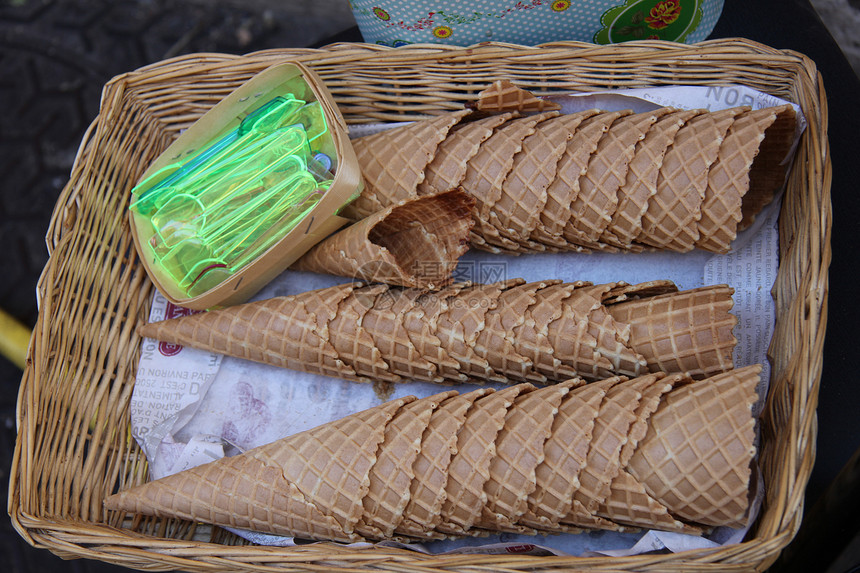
[{"x": 190, "y": 407}]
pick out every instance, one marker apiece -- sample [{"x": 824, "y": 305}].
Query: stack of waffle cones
[
  {"x": 595, "y": 180},
  {"x": 657, "y": 451},
  {"x": 538, "y": 332}
]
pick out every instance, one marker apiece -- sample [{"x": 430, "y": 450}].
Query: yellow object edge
[{"x": 14, "y": 339}]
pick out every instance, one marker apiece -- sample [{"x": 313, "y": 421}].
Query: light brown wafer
[
  {"x": 629, "y": 504},
  {"x": 524, "y": 191},
  {"x": 392, "y": 162},
  {"x": 769, "y": 170},
  {"x": 611, "y": 428},
  {"x": 709, "y": 428},
  {"x": 353, "y": 344},
  {"x": 392, "y": 475},
  {"x": 448, "y": 167},
  {"x": 421, "y": 323},
  {"x": 565, "y": 187},
  {"x": 671, "y": 220},
  {"x": 384, "y": 323},
  {"x": 565, "y": 455},
  {"x": 416, "y": 243},
  {"x": 640, "y": 183},
  {"x": 495, "y": 342},
  {"x": 503, "y": 95},
  {"x": 229, "y": 493},
  {"x": 310, "y": 484},
  {"x": 555, "y": 331},
  {"x": 258, "y": 333},
  {"x": 624, "y": 292},
  {"x": 530, "y": 339},
  {"x": 612, "y": 338},
  {"x": 652, "y": 394},
  {"x": 690, "y": 331},
  {"x": 519, "y": 451},
  {"x": 469, "y": 468},
  {"x": 571, "y": 340},
  {"x": 438, "y": 445},
  {"x": 597, "y": 200},
  {"x": 460, "y": 326},
  {"x": 513, "y": 460},
  {"x": 729, "y": 179},
  {"x": 486, "y": 173}
]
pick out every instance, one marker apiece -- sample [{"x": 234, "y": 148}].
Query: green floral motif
[
  {"x": 457, "y": 19},
  {"x": 646, "y": 19}
]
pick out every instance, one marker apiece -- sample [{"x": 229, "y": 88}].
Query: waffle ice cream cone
[
  {"x": 690, "y": 331},
  {"x": 502, "y": 95},
  {"x": 415, "y": 243},
  {"x": 597, "y": 200},
  {"x": 519, "y": 451},
  {"x": 623, "y": 181},
  {"x": 464, "y": 320},
  {"x": 487, "y": 171},
  {"x": 652, "y": 395},
  {"x": 469, "y": 469},
  {"x": 671, "y": 220},
  {"x": 246, "y": 483},
  {"x": 524, "y": 191},
  {"x": 353, "y": 344},
  {"x": 541, "y": 332},
  {"x": 611, "y": 338},
  {"x": 709, "y": 424},
  {"x": 421, "y": 323},
  {"x": 385, "y": 324},
  {"x": 564, "y": 189},
  {"x": 495, "y": 344},
  {"x": 430, "y": 468},
  {"x": 572, "y": 336},
  {"x": 769, "y": 170},
  {"x": 640, "y": 183},
  {"x": 629, "y": 504},
  {"x": 448, "y": 167},
  {"x": 392, "y": 475},
  {"x": 729, "y": 178},
  {"x": 519, "y": 459},
  {"x": 308, "y": 485},
  {"x": 611, "y": 429},
  {"x": 565, "y": 456},
  {"x": 531, "y": 337},
  {"x": 622, "y": 291},
  {"x": 392, "y": 162},
  {"x": 255, "y": 333}
]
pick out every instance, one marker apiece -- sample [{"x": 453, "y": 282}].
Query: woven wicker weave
[{"x": 74, "y": 444}]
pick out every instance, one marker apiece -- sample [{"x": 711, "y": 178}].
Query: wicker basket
[{"x": 74, "y": 444}]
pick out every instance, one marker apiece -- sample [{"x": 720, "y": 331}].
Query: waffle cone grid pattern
[
  {"x": 415, "y": 243},
  {"x": 665, "y": 179},
  {"x": 540, "y": 332},
  {"x": 687, "y": 468}
]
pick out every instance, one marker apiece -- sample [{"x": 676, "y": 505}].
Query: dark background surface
[{"x": 56, "y": 55}]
